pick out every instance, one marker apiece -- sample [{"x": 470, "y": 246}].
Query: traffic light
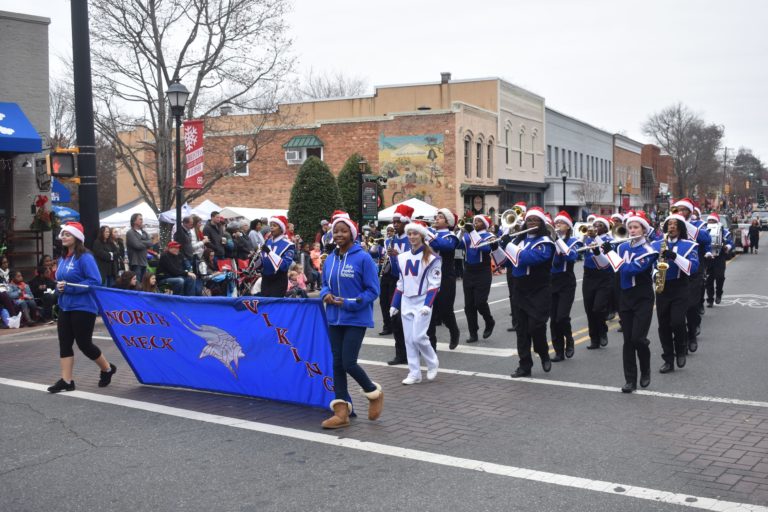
[{"x": 61, "y": 163}]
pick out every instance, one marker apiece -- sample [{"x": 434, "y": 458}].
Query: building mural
[{"x": 414, "y": 165}]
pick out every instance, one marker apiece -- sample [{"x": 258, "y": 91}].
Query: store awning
[
  {"x": 303, "y": 141},
  {"x": 17, "y": 135}
]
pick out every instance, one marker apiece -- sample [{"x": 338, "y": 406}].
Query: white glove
[
  {"x": 393, "y": 311},
  {"x": 709, "y": 256},
  {"x": 425, "y": 310}
]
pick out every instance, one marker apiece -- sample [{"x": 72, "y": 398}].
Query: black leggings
[{"x": 77, "y": 326}]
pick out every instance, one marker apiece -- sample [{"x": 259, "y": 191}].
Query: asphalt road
[{"x": 473, "y": 440}]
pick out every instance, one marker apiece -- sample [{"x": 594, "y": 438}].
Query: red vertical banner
[
  {"x": 193, "y": 144},
  {"x": 624, "y": 201}
]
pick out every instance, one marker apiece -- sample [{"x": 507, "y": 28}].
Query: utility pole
[
  {"x": 722, "y": 188},
  {"x": 86, "y": 140}
]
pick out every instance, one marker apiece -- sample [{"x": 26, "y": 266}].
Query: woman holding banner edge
[
  {"x": 350, "y": 287},
  {"x": 77, "y": 309}
]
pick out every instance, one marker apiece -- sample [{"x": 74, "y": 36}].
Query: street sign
[{"x": 370, "y": 196}]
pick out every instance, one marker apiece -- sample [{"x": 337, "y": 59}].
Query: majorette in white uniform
[{"x": 417, "y": 287}]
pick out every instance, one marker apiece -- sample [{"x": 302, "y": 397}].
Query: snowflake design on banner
[{"x": 190, "y": 137}]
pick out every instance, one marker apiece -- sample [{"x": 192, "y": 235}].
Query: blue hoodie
[
  {"x": 82, "y": 270},
  {"x": 351, "y": 276}
]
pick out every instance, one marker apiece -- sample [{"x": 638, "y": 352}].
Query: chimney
[
  {"x": 445, "y": 77},
  {"x": 225, "y": 110}
]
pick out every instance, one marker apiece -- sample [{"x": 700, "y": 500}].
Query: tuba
[
  {"x": 510, "y": 218},
  {"x": 661, "y": 266}
]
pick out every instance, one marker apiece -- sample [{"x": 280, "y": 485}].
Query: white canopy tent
[
  {"x": 203, "y": 210},
  {"x": 120, "y": 217},
  {"x": 249, "y": 214},
  {"x": 420, "y": 209}
]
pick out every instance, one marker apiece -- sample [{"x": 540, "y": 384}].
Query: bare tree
[
  {"x": 589, "y": 192},
  {"x": 690, "y": 142},
  {"x": 228, "y": 53},
  {"x": 330, "y": 84},
  {"x": 62, "y": 105}
]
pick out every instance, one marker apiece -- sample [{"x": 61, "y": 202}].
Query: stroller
[{"x": 249, "y": 272}]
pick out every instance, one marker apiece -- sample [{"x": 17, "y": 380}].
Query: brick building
[
  {"x": 658, "y": 177},
  {"x": 627, "y": 162}
]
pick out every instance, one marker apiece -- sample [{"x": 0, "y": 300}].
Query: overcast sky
[{"x": 610, "y": 63}]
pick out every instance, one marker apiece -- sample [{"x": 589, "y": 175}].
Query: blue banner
[{"x": 253, "y": 346}]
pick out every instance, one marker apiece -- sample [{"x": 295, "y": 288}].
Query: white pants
[{"x": 415, "y": 332}]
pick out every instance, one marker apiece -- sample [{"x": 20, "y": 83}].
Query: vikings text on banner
[
  {"x": 268, "y": 348},
  {"x": 193, "y": 144}
]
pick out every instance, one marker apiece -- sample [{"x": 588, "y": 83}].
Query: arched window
[
  {"x": 467, "y": 155},
  {"x": 479, "y": 157},
  {"x": 489, "y": 160}
]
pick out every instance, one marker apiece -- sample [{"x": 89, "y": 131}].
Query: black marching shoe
[
  {"x": 710, "y": 303},
  {"x": 645, "y": 379},
  {"x": 558, "y": 358},
  {"x": 569, "y": 346},
  {"x": 693, "y": 345},
  {"x": 681, "y": 361},
  {"x": 604, "y": 340},
  {"x": 546, "y": 364},
  {"x": 397, "y": 360},
  {"x": 385, "y": 332},
  {"x": 489, "y": 329},
  {"x": 62, "y": 385},
  {"x": 698, "y": 330},
  {"x": 106, "y": 377},
  {"x": 454, "y": 340},
  {"x": 511, "y": 329},
  {"x": 666, "y": 368},
  {"x": 701, "y": 309},
  {"x": 593, "y": 345},
  {"x": 629, "y": 387},
  {"x": 472, "y": 339},
  {"x": 620, "y": 329},
  {"x": 610, "y": 316},
  {"x": 520, "y": 373},
  {"x": 718, "y": 299}
]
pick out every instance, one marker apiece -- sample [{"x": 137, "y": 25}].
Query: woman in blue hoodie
[
  {"x": 350, "y": 287},
  {"x": 77, "y": 309}
]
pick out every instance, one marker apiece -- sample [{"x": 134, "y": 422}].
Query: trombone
[
  {"x": 371, "y": 241},
  {"x": 615, "y": 241}
]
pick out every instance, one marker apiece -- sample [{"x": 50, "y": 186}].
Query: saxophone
[{"x": 661, "y": 266}]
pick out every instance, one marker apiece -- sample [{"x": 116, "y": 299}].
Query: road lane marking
[
  {"x": 503, "y": 470},
  {"x": 579, "y": 385}
]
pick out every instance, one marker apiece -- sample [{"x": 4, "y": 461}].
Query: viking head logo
[{"x": 220, "y": 344}]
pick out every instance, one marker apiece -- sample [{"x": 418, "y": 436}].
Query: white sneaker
[
  {"x": 411, "y": 380},
  {"x": 432, "y": 374}
]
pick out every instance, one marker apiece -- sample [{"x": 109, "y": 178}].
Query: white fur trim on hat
[
  {"x": 536, "y": 212},
  {"x": 350, "y": 224},
  {"x": 72, "y": 230},
  {"x": 563, "y": 218},
  {"x": 591, "y": 218},
  {"x": 419, "y": 227},
  {"x": 640, "y": 220},
  {"x": 280, "y": 222},
  {"x": 713, "y": 216},
  {"x": 603, "y": 221},
  {"x": 483, "y": 219},
  {"x": 449, "y": 216},
  {"x": 676, "y": 216},
  {"x": 685, "y": 203}
]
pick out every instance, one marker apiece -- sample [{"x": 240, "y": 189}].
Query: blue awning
[
  {"x": 59, "y": 193},
  {"x": 17, "y": 135},
  {"x": 65, "y": 213}
]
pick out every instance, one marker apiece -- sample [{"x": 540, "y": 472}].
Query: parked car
[{"x": 762, "y": 216}]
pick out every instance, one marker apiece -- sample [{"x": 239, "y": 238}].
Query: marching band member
[
  {"x": 477, "y": 276},
  {"x": 350, "y": 288},
  {"x": 716, "y": 271},
  {"x": 671, "y": 304},
  {"x": 417, "y": 287},
  {"x": 398, "y": 244},
  {"x": 385, "y": 282},
  {"x": 531, "y": 257},
  {"x": 277, "y": 256},
  {"x": 633, "y": 262},
  {"x": 685, "y": 207},
  {"x": 445, "y": 243},
  {"x": 563, "y": 286},
  {"x": 597, "y": 286}
]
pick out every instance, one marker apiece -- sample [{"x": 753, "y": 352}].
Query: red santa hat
[
  {"x": 522, "y": 205},
  {"x": 617, "y": 217},
  {"x": 344, "y": 219},
  {"x": 685, "y": 203},
  {"x": 281, "y": 221},
  {"x": 536, "y": 211},
  {"x": 403, "y": 212},
  {"x": 419, "y": 226},
  {"x": 449, "y": 215},
  {"x": 591, "y": 218},
  {"x": 564, "y": 217},
  {"x": 641, "y": 218},
  {"x": 676, "y": 216},
  {"x": 339, "y": 213},
  {"x": 713, "y": 216},
  {"x": 605, "y": 221},
  {"x": 75, "y": 229},
  {"x": 549, "y": 219},
  {"x": 484, "y": 219}
]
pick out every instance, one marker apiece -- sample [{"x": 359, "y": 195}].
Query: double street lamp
[{"x": 177, "y": 96}]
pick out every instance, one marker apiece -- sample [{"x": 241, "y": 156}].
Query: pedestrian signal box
[{"x": 61, "y": 163}]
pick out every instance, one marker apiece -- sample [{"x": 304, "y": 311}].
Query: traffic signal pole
[{"x": 86, "y": 140}]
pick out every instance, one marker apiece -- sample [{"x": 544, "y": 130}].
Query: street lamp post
[
  {"x": 361, "y": 165},
  {"x": 177, "y": 96},
  {"x": 564, "y": 176},
  {"x": 621, "y": 188}
]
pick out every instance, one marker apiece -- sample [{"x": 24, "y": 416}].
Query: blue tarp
[
  {"x": 253, "y": 346},
  {"x": 17, "y": 135},
  {"x": 65, "y": 213},
  {"x": 59, "y": 193}
]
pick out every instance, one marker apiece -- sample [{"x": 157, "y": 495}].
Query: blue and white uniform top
[
  {"x": 654, "y": 235},
  {"x": 687, "y": 260},
  {"x": 280, "y": 256},
  {"x": 419, "y": 281},
  {"x": 473, "y": 254},
  {"x": 565, "y": 253},
  {"x": 633, "y": 259},
  {"x": 697, "y": 232},
  {"x": 525, "y": 256},
  {"x": 599, "y": 262},
  {"x": 401, "y": 244}
]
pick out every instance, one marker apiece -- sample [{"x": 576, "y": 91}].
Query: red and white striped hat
[
  {"x": 564, "y": 217},
  {"x": 281, "y": 221},
  {"x": 485, "y": 220},
  {"x": 641, "y": 218}
]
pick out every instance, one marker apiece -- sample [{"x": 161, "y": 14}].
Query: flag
[{"x": 193, "y": 145}]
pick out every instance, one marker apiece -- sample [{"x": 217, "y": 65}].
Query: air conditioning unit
[{"x": 293, "y": 156}]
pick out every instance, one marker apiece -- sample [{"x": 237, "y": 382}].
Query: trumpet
[
  {"x": 585, "y": 230},
  {"x": 371, "y": 241},
  {"x": 461, "y": 223},
  {"x": 615, "y": 241}
]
